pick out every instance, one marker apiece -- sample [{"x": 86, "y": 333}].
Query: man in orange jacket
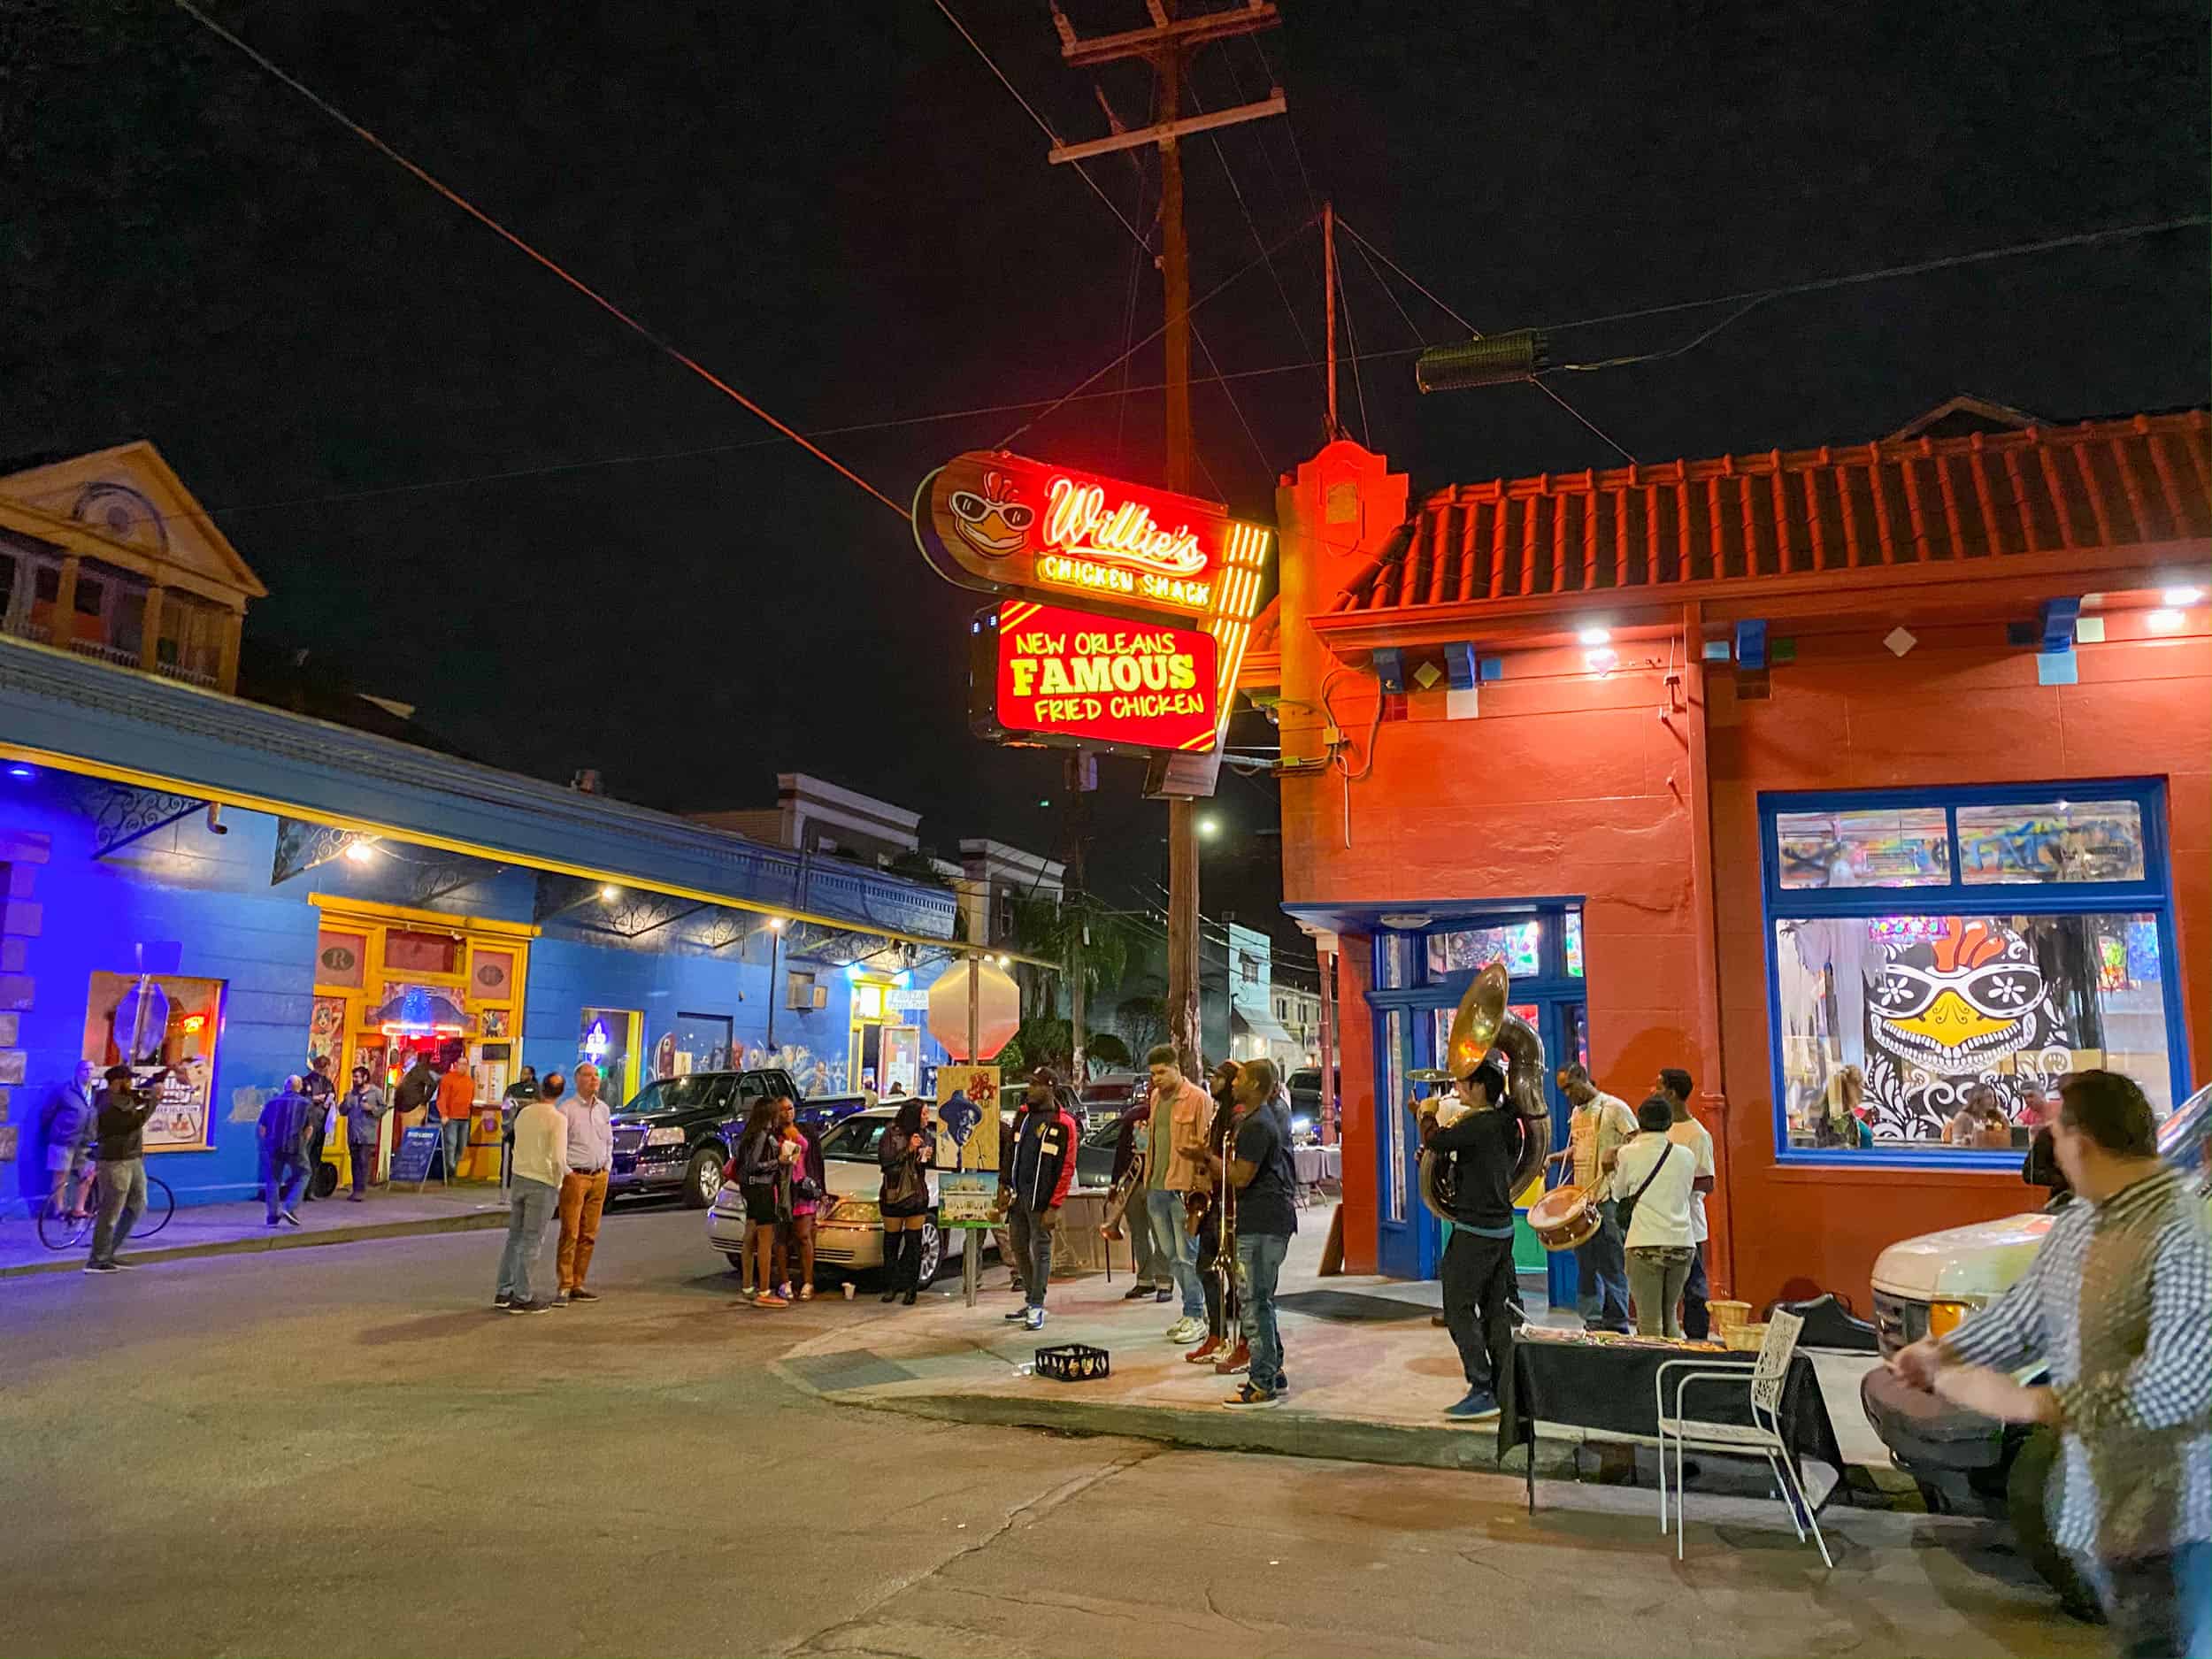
[{"x": 457, "y": 1103}]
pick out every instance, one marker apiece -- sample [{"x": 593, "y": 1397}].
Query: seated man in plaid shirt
[{"x": 2116, "y": 1307}]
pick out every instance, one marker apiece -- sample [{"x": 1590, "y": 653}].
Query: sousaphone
[{"x": 1483, "y": 1023}]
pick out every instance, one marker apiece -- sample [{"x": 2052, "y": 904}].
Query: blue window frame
[{"x": 1948, "y": 940}]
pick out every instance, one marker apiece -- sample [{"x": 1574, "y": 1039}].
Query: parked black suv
[{"x": 678, "y": 1132}]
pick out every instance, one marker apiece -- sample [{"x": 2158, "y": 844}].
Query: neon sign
[
  {"x": 1078, "y": 522},
  {"x": 1006, "y": 525},
  {"x": 1046, "y": 673}
]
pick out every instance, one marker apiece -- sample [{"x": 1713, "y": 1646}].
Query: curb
[
  {"x": 70, "y": 1261},
  {"x": 1286, "y": 1432}
]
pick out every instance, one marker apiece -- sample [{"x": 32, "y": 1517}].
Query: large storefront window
[
  {"x": 164, "y": 1026},
  {"x": 1933, "y": 959}
]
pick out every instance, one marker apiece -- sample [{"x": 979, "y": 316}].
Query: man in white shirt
[
  {"x": 584, "y": 1187},
  {"x": 1676, "y": 1086},
  {"x": 539, "y": 1166},
  {"x": 1601, "y": 1123}
]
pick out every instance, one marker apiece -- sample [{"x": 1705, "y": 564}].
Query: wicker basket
[
  {"x": 1744, "y": 1339},
  {"x": 1727, "y": 1315},
  {"x": 1074, "y": 1361}
]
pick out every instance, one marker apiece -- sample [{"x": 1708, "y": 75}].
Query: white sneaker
[
  {"x": 1034, "y": 1319},
  {"x": 1185, "y": 1330}
]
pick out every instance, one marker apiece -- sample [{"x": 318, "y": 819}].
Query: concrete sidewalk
[
  {"x": 223, "y": 1229},
  {"x": 1370, "y": 1375}
]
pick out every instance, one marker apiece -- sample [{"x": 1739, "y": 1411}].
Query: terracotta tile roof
[{"x": 1986, "y": 496}]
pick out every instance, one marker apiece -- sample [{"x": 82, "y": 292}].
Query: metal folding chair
[{"x": 1762, "y": 1436}]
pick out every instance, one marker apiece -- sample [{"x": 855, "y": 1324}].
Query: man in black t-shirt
[
  {"x": 1266, "y": 1185},
  {"x": 1484, "y": 1142}
]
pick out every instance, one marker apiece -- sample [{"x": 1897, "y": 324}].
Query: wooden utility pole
[
  {"x": 1165, "y": 45},
  {"x": 1328, "y": 303},
  {"x": 1082, "y": 778}
]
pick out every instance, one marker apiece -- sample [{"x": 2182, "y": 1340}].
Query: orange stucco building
[{"x": 1896, "y": 756}]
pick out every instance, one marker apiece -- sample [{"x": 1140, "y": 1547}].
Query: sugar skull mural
[{"x": 1949, "y": 1000}]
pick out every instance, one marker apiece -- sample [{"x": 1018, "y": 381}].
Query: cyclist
[
  {"x": 120, "y": 1149},
  {"x": 69, "y": 1140}
]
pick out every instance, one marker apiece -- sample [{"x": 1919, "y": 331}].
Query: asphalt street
[{"x": 345, "y": 1451}]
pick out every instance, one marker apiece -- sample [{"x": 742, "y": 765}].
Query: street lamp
[{"x": 1208, "y": 827}]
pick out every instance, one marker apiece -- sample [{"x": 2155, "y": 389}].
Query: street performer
[
  {"x": 1223, "y": 1348},
  {"x": 1483, "y": 1143}
]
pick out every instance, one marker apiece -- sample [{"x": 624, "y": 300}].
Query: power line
[
  {"x": 1368, "y": 247},
  {"x": 1219, "y": 376},
  {"x": 1045, "y": 128},
  {"x": 1109, "y": 368},
  {"x": 550, "y": 264}
]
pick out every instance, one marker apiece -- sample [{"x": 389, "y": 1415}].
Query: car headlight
[
  {"x": 672, "y": 1136},
  {"x": 858, "y": 1209},
  {"x": 1946, "y": 1317}
]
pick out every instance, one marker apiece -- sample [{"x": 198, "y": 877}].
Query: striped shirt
[{"x": 2115, "y": 1305}]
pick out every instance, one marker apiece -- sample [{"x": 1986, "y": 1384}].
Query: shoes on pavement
[
  {"x": 1479, "y": 1402},
  {"x": 1204, "y": 1352},
  {"x": 271, "y": 1222},
  {"x": 784, "y": 1290},
  {"x": 907, "y": 1301},
  {"x": 100, "y": 1267},
  {"x": 891, "y": 1294},
  {"x": 1249, "y": 1398},
  {"x": 289, "y": 1217},
  {"x": 1138, "y": 1292},
  {"x": 124, "y": 1263},
  {"x": 356, "y": 1198},
  {"x": 1018, "y": 1313},
  {"x": 1163, "y": 1295},
  {"x": 748, "y": 1292},
  {"x": 806, "y": 1292},
  {"x": 1185, "y": 1330},
  {"x": 529, "y": 1307},
  {"x": 580, "y": 1295},
  {"x": 770, "y": 1300},
  {"x": 1034, "y": 1318},
  {"x": 560, "y": 1300},
  {"x": 502, "y": 1300},
  {"x": 1239, "y": 1358},
  {"x": 1436, "y": 1319}
]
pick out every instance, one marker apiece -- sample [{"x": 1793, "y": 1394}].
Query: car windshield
[
  {"x": 1105, "y": 1135},
  {"x": 855, "y": 1140},
  {"x": 2182, "y": 1137},
  {"x": 679, "y": 1094},
  {"x": 1306, "y": 1079}
]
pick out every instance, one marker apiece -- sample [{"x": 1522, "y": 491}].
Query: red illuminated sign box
[{"x": 1044, "y": 673}]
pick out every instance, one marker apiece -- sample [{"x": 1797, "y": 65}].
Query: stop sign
[{"x": 998, "y": 1010}]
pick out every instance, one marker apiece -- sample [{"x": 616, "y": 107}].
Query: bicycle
[{"x": 60, "y": 1232}]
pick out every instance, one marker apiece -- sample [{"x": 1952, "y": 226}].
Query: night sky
[{"x": 838, "y": 208}]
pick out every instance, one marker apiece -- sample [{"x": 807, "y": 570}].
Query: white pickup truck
[{"x": 1962, "y": 1460}]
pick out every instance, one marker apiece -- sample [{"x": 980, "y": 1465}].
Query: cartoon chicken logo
[
  {"x": 1941, "y": 1012},
  {"x": 995, "y": 523}
]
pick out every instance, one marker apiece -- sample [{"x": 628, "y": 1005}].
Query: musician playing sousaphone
[
  {"x": 1479, "y": 1148},
  {"x": 1482, "y": 1138}
]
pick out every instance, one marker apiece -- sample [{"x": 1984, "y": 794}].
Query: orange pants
[{"x": 582, "y": 1198}]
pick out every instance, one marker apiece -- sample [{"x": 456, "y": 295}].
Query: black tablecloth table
[{"x": 1607, "y": 1391}]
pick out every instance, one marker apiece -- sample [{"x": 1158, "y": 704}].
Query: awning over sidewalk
[
  {"x": 1252, "y": 1022},
  {"x": 69, "y": 712}
]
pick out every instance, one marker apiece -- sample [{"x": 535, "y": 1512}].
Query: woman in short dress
[{"x": 905, "y": 1154}]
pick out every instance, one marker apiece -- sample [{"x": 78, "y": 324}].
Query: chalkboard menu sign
[{"x": 417, "y": 1147}]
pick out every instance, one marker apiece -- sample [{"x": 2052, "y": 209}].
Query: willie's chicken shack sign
[
  {"x": 1125, "y": 611},
  {"x": 1073, "y": 677},
  {"x": 1004, "y": 524}
]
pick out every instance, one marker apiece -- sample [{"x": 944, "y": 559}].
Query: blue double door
[{"x": 1412, "y": 1029}]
